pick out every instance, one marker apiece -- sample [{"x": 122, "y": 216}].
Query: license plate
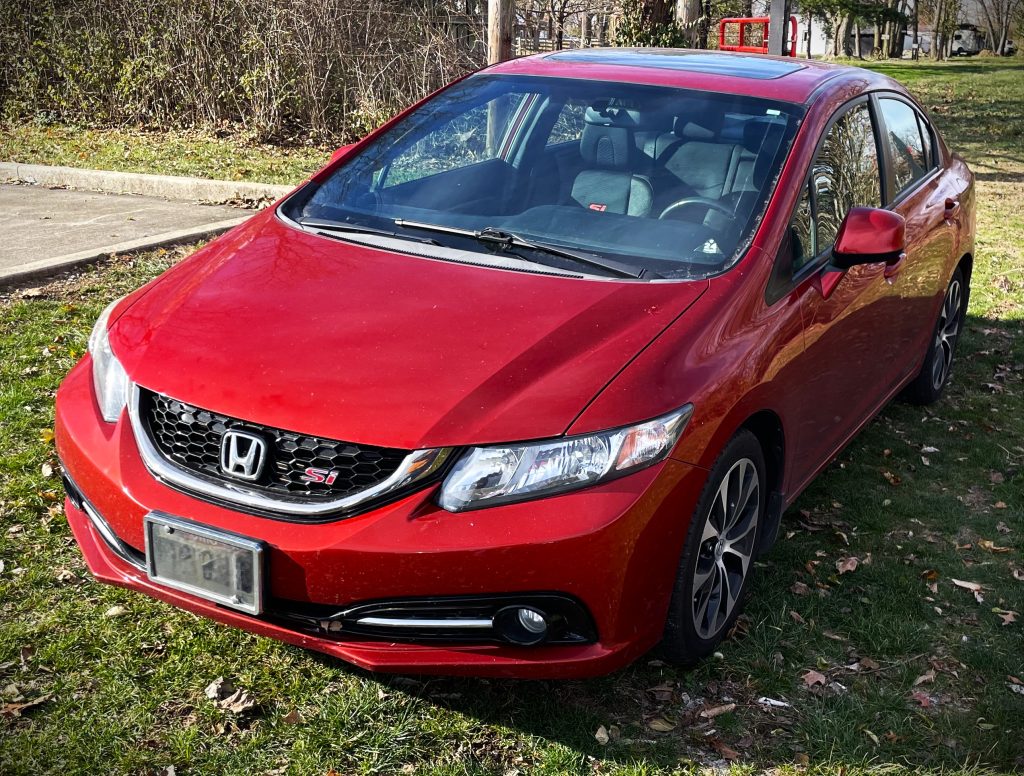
[{"x": 205, "y": 562}]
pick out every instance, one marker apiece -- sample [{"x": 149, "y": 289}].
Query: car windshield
[{"x": 569, "y": 173}]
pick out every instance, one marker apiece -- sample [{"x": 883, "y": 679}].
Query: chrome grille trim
[{"x": 415, "y": 467}]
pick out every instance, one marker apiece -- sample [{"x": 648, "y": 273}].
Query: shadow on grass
[{"x": 879, "y": 612}]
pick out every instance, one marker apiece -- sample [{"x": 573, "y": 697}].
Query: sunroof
[{"x": 737, "y": 65}]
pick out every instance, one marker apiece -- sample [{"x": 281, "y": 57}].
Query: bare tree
[{"x": 998, "y": 16}]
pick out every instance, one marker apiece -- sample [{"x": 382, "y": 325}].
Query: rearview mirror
[
  {"x": 341, "y": 152},
  {"x": 868, "y": 235}
]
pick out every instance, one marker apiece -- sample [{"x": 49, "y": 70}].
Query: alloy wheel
[
  {"x": 946, "y": 334},
  {"x": 726, "y": 548}
]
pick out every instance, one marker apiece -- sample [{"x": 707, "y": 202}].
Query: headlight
[
  {"x": 108, "y": 376},
  {"x": 487, "y": 476}
]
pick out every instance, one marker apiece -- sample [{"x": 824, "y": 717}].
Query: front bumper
[{"x": 614, "y": 548}]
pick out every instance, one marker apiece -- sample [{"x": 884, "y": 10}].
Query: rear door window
[{"x": 906, "y": 148}]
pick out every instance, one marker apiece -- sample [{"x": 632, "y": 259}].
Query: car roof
[{"x": 788, "y": 79}]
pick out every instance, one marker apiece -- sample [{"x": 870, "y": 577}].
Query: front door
[{"x": 851, "y": 320}]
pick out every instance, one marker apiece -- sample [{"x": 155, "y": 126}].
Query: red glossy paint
[
  {"x": 294, "y": 330},
  {"x": 868, "y": 235}
]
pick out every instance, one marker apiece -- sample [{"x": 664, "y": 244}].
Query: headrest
[
  {"x": 606, "y": 113},
  {"x": 698, "y": 119},
  {"x": 602, "y": 145}
]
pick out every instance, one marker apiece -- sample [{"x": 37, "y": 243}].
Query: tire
[
  {"x": 931, "y": 381},
  {"x": 696, "y": 621}
]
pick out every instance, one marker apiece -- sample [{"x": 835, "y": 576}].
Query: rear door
[{"x": 918, "y": 190}]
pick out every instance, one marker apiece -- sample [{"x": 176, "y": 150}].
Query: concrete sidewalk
[{"x": 49, "y": 229}]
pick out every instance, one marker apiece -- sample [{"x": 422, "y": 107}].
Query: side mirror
[
  {"x": 341, "y": 152},
  {"x": 869, "y": 235}
]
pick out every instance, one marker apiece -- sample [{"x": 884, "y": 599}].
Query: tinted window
[
  {"x": 909, "y": 161},
  {"x": 926, "y": 136},
  {"x": 460, "y": 140},
  {"x": 468, "y": 160},
  {"x": 800, "y": 232},
  {"x": 845, "y": 174},
  {"x": 569, "y": 124}
]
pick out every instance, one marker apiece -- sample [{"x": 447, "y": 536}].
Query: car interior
[{"x": 581, "y": 172}]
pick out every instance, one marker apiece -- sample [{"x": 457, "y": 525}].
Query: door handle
[
  {"x": 892, "y": 268},
  {"x": 952, "y": 209}
]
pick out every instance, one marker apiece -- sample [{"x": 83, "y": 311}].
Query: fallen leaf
[
  {"x": 723, "y": 749},
  {"x": 602, "y": 736},
  {"x": 1002, "y": 527},
  {"x": 872, "y": 736},
  {"x": 923, "y": 699},
  {"x": 996, "y": 478},
  {"x": 926, "y": 678},
  {"x": 813, "y": 677},
  {"x": 46, "y": 435},
  {"x": 799, "y": 588},
  {"x": 974, "y": 587},
  {"x": 661, "y": 692},
  {"x": 845, "y": 565},
  {"x": 891, "y": 478},
  {"x": 802, "y": 758},
  {"x": 797, "y": 618},
  {"x": 1007, "y": 616},
  {"x": 990, "y": 546},
  {"x": 868, "y": 664},
  {"x": 224, "y": 696},
  {"x": 292, "y": 718},
  {"x": 714, "y": 712},
  {"x": 11, "y": 710},
  {"x": 660, "y": 725},
  {"x": 115, "y": 611}
]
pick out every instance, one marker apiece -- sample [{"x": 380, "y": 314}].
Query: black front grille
[{"x": 191, "y": 437}]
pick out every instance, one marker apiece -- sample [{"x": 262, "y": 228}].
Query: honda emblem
[{"x": 242, "y": 455}]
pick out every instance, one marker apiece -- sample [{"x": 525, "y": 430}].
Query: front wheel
[
  {"x": 930, "y": 382},
  {"x": 719, "y": 554}
]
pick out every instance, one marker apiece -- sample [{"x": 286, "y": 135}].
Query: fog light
[
  {"x": 532, "y": 620},
  {"x": 521, "y": 625}
]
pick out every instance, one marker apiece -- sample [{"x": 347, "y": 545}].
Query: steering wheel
[{"x": 710, "y": 204}]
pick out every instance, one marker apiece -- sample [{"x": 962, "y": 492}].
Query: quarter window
[
  {"x": 569, "y": 124},
  {"x": 903, "y": 133},
  {"x": 926, "y": 136}
]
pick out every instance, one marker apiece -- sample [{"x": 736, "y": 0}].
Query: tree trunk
[{"x": 688, "y": 17}]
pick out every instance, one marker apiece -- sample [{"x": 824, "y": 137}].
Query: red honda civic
[{"x": 522, "y": 383}]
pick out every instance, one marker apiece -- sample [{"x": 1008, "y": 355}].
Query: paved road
[{"x": 41, "y": 226}]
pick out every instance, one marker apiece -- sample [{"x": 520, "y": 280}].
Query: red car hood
[{"x": 322, "y": 337}]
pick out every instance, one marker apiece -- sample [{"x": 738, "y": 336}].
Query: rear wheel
[
  {"x": 719, "y": 554},
  {"x": 930, "y": 382}
]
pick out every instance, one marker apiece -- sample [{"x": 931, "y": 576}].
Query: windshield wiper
[
  {"x": 507, "y": 240},
  {"x": 322, "y": 225}
]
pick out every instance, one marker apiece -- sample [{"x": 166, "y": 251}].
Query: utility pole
[
  {"x": 777, "y": 27},
  {"x": 501, "y": 15},
  {"x": 916, "y": 44}
]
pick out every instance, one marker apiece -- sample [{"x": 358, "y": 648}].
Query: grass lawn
[
  {"x": 201, "y": 154},
  {"x": 916, "y": 671}
]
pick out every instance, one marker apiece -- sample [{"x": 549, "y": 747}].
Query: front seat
[{"x": 609, "y": 183}]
